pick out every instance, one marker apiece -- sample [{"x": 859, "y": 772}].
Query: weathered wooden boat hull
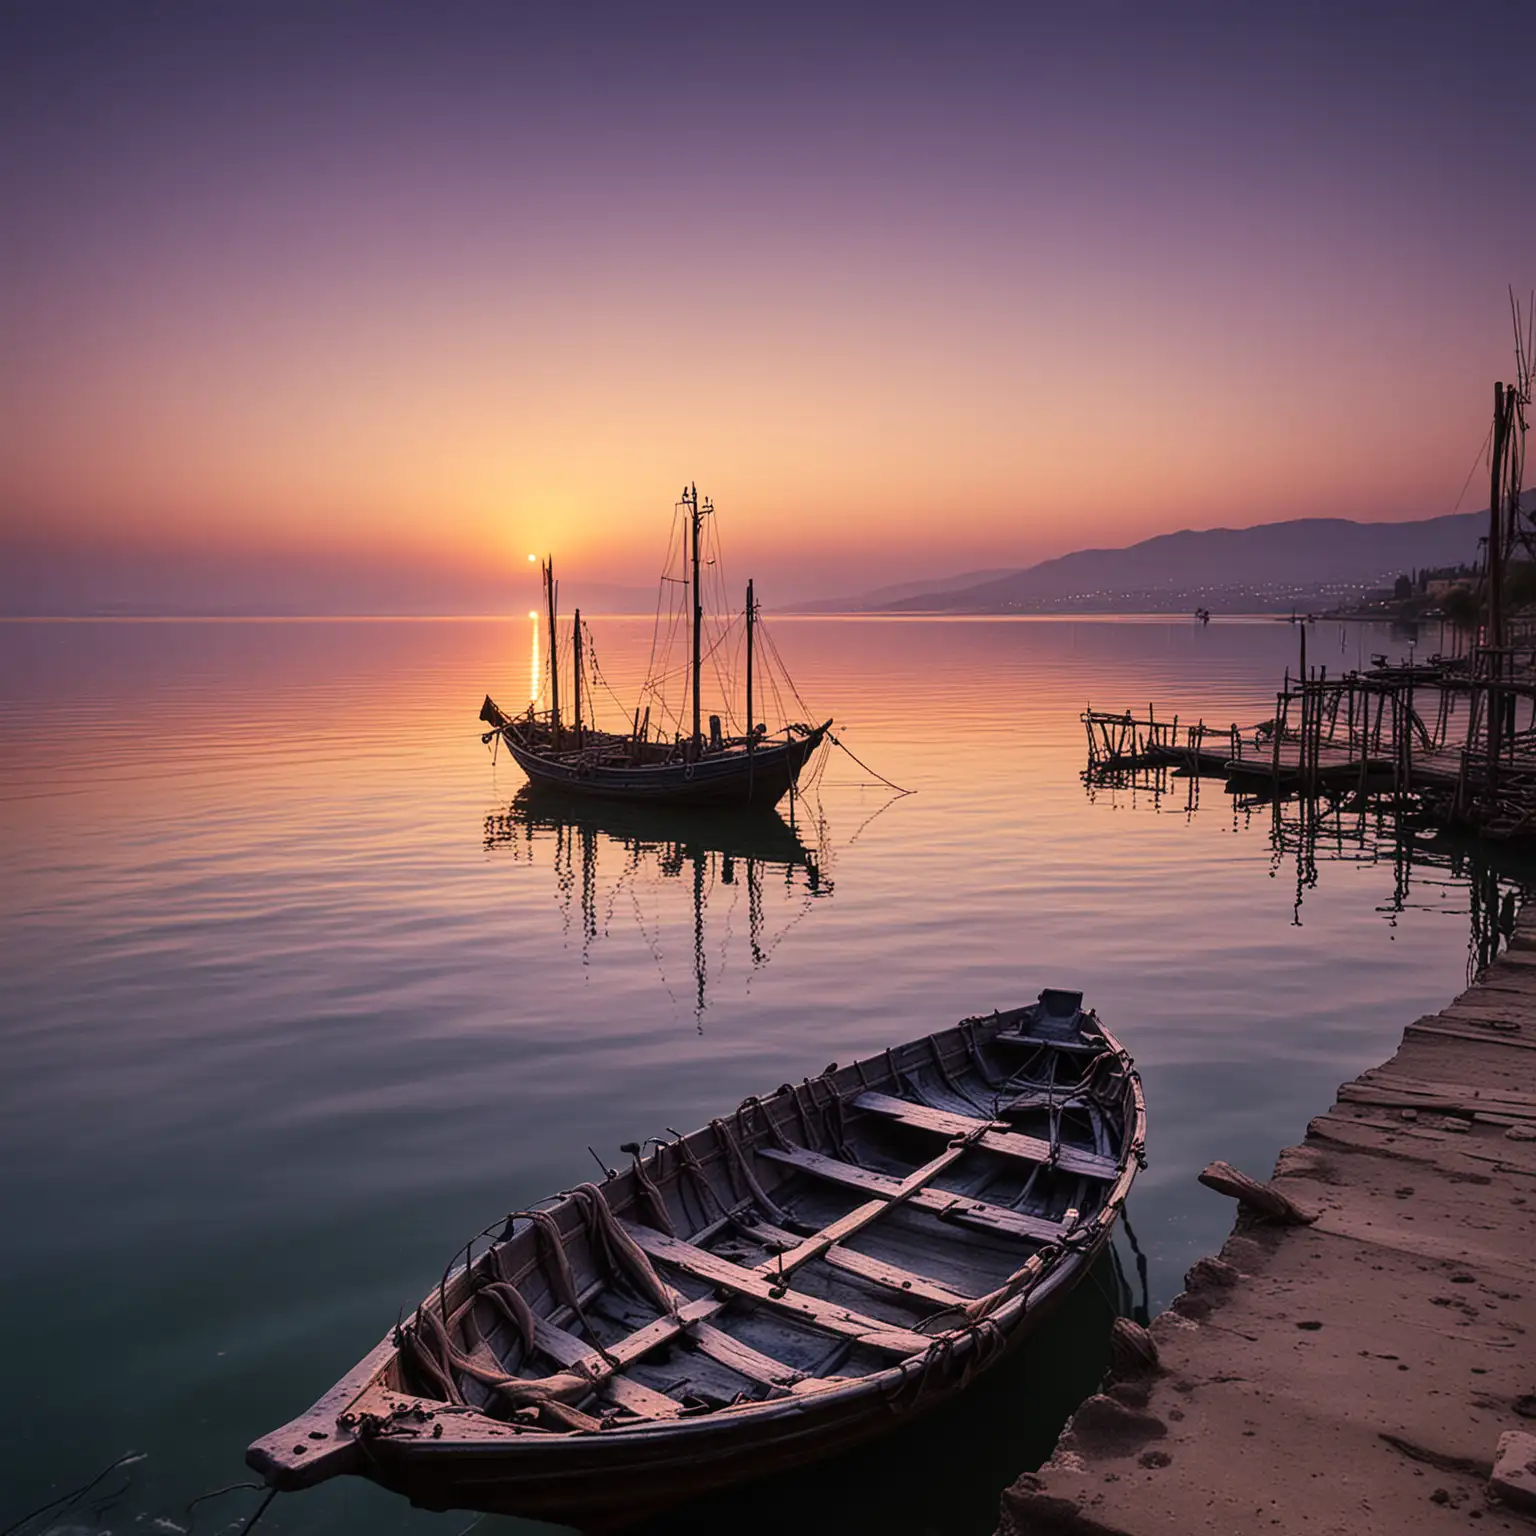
[
  {"x": 759, "y": 779},
  {"x": 857, "y": 1249},
  {"x": 623, "y": 1485}
]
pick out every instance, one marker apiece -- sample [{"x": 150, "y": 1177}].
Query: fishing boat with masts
[{"x": 643, "y": 765}]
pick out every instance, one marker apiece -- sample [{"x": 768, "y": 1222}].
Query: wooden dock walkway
[{"x": 1356, "y": 1374}]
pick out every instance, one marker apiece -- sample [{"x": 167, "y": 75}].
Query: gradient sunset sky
[{"x": 328, "y": 293}]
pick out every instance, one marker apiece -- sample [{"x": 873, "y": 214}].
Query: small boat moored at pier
[{"x": 801, "y": 1275}]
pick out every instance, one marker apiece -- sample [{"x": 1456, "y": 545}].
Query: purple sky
[{"x": 390, "y": 296}]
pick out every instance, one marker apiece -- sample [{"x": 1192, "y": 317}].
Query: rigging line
[
  {"x": 867, "y": 769},
  {"x": 727, "y": 683},
  {"x": 789, "y": 681},
  {"x": 662, "y": 592},
  {"x": 874, "y": 815}
]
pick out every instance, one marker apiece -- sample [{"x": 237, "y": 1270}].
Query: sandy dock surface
[{"x": 1355, "y": 1374}]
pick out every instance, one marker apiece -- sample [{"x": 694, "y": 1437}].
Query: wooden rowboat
[{"x": 795, "y": 1278}]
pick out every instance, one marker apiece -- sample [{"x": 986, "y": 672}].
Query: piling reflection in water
[
  {"x": 1432, "y": 868},
  {"x": 614, "y": 863}
]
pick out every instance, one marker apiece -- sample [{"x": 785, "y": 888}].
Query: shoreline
[{"x": 1355, "y": 1373}]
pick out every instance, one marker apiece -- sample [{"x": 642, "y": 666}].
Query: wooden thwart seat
[
  {"x": 761, "y": 1286},
  {"x": 567, "y": 1350},
  {"x": 1005, "y": 1142},
  {"x": 877, "y": 1271}
]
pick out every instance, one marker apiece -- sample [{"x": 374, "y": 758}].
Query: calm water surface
[{"x": 299, "y": 994}]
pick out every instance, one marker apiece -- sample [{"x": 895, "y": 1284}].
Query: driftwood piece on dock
[
  {"x": 1132, "y": 1350},
  {"x": 1264, "y": 1199}
]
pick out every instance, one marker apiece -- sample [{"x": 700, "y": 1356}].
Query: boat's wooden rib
[
  {"x": 941, "y": 1202},
  {"x": 868, "y": 1331},
  {"x": 997, "y": 1138},
  {"x": 812, "y": 1294}
]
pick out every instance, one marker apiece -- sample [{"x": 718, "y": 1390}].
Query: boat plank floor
[{"x": 742, "y": 1358}]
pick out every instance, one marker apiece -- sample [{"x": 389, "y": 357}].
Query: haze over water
[{"x": 299, "y": 997}]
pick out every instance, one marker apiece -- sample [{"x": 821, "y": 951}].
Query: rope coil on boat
[{"x": 429, "y": 1348}]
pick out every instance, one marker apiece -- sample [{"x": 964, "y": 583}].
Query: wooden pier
[
  {"x": 1455, "y": 735},
  {"x": 1358, "y": 1372}
]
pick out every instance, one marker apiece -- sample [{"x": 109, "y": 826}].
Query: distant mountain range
[{"x": 1273, "y": 566}]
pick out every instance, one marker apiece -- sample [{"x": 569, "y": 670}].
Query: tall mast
[
  {"x": 751, "y": 621},
  {"x": 1495, "y": 522},
  {"x": 554, "y": 669},
  {"x": 1502, "y": 401},
  {"x": 576, "y": 670},
  {"x": 698, "y": 613}
]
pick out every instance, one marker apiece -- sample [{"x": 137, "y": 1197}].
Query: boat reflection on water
[{"x": 607, "y": 857}]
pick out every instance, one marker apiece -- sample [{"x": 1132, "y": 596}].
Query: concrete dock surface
[{"x": 1362, "y": 1373}]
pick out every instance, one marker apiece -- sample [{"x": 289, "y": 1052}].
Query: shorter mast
[
  {"x": 554, "y": 646},
  {"x": 576, "y": 671},
  {"x": 751, "y": 621}
]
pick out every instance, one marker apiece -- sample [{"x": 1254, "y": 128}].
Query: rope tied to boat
[
  {"x": 793, "y": 1090},
  {"x": 620, "y": 1253},
  {"x": 650, "y": 1192},
  {"x": 977, "y": 1060},
  {"x": 738, "y": 1165},
  {"x": 837, "y": 742},
  {"x": 1039, "y": 1264},
  {"x": 551, "y": 1245},
  {"x": 833, "y": 1123},
  {"x": 775, "y": 1132},
  {"x": 430, "y": 1349},
  {"x": 975, "y": 1344},
  {"x": 549, "y": 1395},
  {"x": 695, "y": 1171}
]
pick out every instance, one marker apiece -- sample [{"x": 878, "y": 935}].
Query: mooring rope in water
[
  {"x": 215, "y": 1493},
  {"x": 837, "y": 742},
  {"x": 65, "y": 1500}
]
